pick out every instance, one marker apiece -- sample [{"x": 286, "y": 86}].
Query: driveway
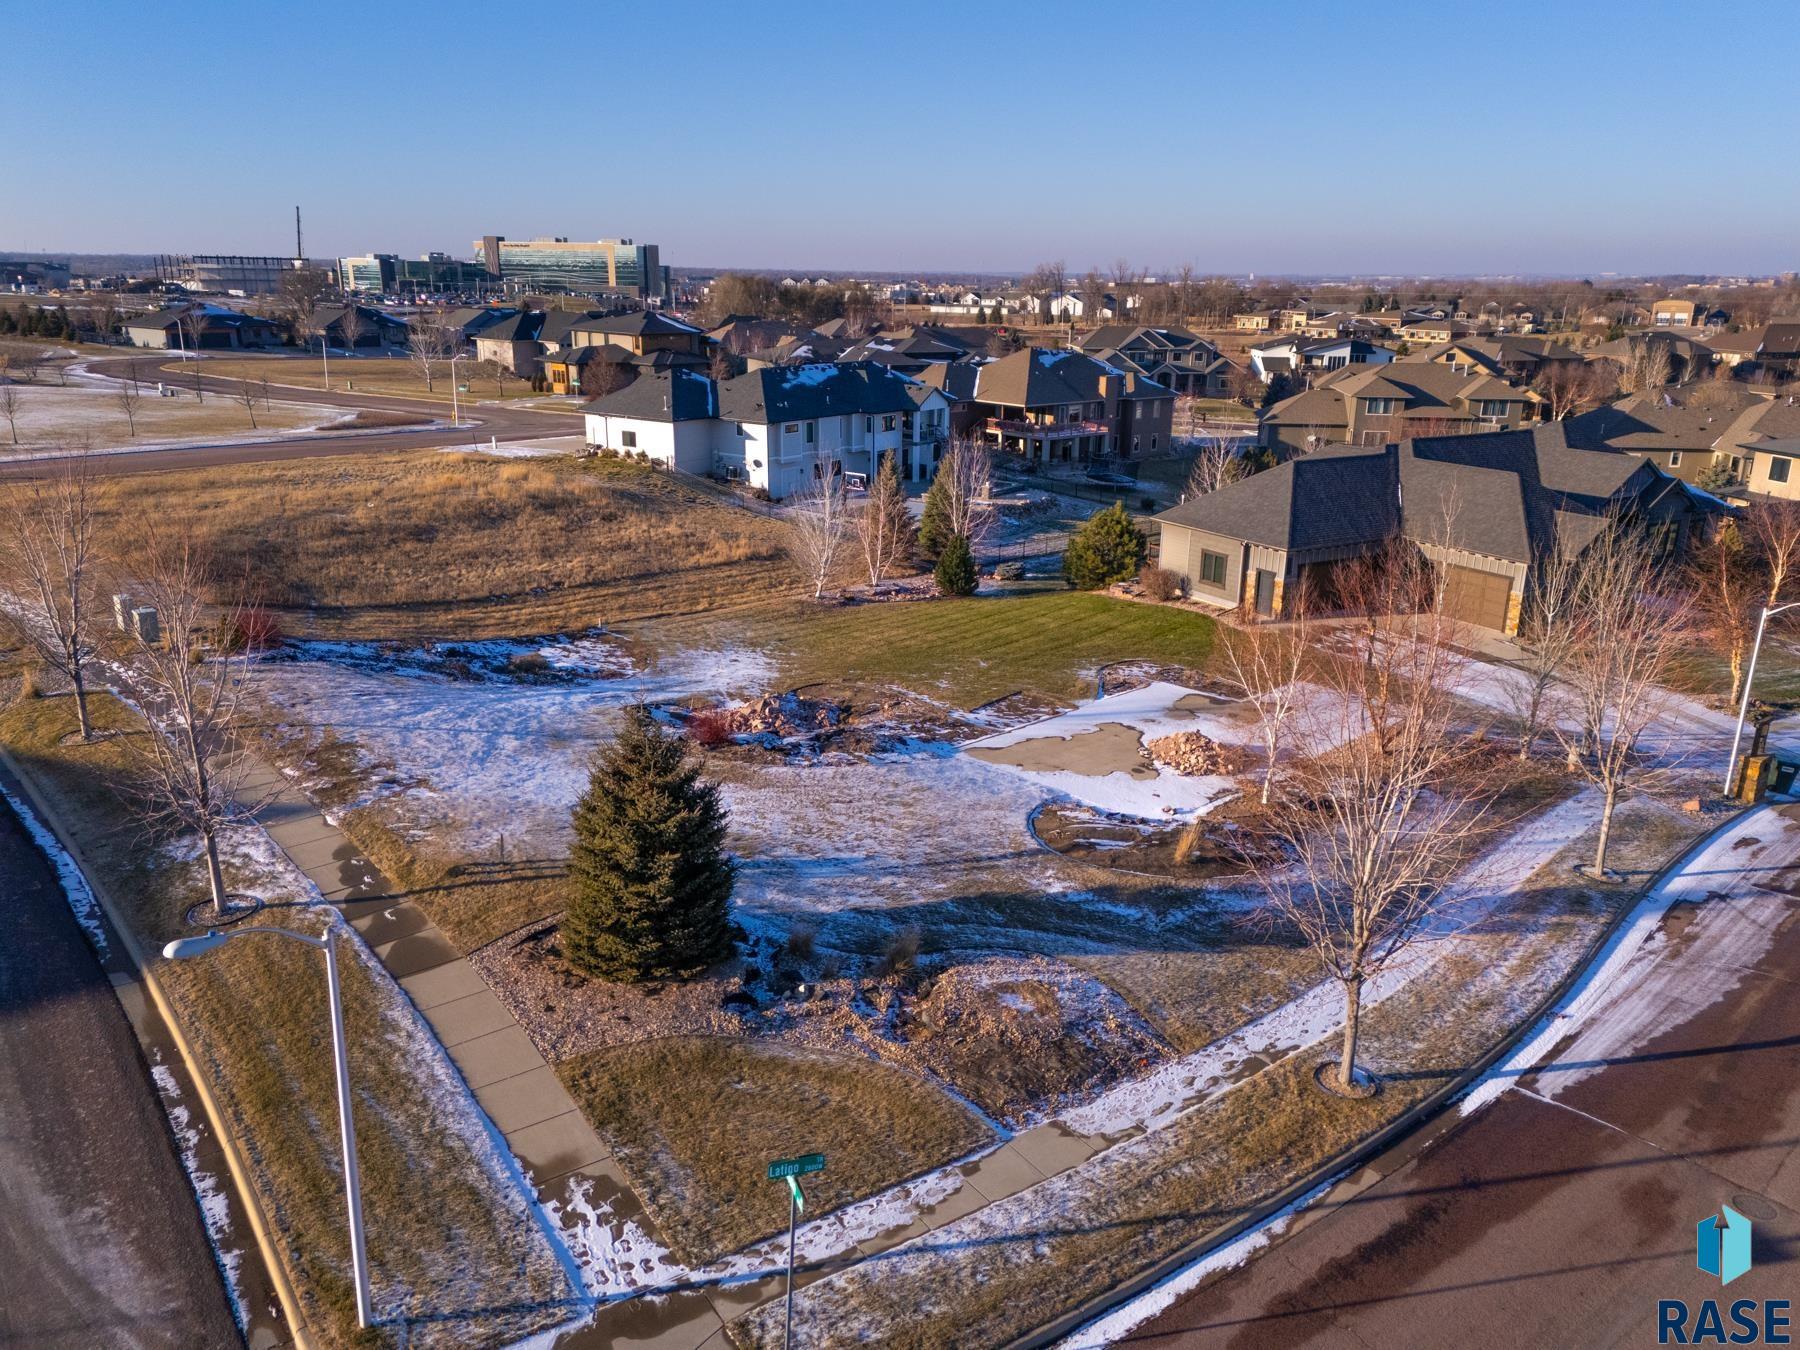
[
  {"x": 100, "y": 1238},
  {"x": 1563, "y": 1211}
]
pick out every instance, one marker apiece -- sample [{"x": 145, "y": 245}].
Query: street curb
[
  {"x": 1377, "y": 1143},
  {"x": 228, "y": 1141}
]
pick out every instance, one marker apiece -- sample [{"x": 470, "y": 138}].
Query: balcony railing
[{"x": 1047, "y": 430}]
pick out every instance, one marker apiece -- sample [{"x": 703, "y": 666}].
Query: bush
[
  {"x": 799, "y": 945},
  {"x": 528, "y": 663},
  {"x": 1010, "y": 571},
  {"x": 1108, "y": 548},
  {"x": 29, "y": 686},
  {"x": 955, "y": 570},
  {"x": 709, "y": 727},
  {"x": 901, "y": 952},
  {"x": 1160, "y": 583},
  {"x": 251, "y": 630}
]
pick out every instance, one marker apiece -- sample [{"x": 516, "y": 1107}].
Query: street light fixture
[
  {"x": 183, "y": 948},
  {"x": 455, "y": 406},
  {"x": 1749, "y": 675}
]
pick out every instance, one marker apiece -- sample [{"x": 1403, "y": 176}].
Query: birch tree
[
  {"x": 818, "y": 525},
  {"x": 1214, "y": 466},
  {"x": 1547, "y": 635},
  {"x": 49, "y": 532},
  {"x": 1773, "y": 528},
  {"x": 884, "y": 529},
  {"x": 191, "y": 689},
  {"x": 1630, "y": 631},
  {"x": 1728, "y": 586},
  {"x": 429, "y": 345}
]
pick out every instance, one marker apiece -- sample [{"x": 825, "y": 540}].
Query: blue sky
[{"x": 1297, "y": 137}]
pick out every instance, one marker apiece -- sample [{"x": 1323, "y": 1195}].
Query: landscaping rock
[{"x": 1191, "y": 753}]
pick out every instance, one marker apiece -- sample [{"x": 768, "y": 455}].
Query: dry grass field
[
  {"x": 57, "y": 417},
  {"x": 426, "y": 544},
  {"x": 395, "y": 376}
]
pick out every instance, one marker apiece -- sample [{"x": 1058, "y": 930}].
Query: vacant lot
[
  {"x": 364, "y": 375},
  {"x": 399, "y": 545},
  {"x": 57, "y": 417}
]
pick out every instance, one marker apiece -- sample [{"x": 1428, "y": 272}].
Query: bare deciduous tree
[
  {"x": 1266, "y": 659},
  {"x": 351, "y": 327},
  {"x": 1630, "y": 631},
  {"x": 128, "y": 396},
  {"x": 49, "y": 529},
  {"x": 884, "y": 527},
  {"x": 1389, "y": 811},
  {"x": 1547, "y": 634},
  {"x": 9, "y": 406},
  {"x": 968, "y": 470},
  {"x": 429, "y": 345},
  {"x": 1773, "y": 527},
  {"x": 1728, "y": 583},
  {"x": 193, "y": 323},
  {"x": 245, "y": 393},
  {"x": 1215, "y": 465},
  {"x": 818, "y": 524},
  {"x": 191, "y": 689}
]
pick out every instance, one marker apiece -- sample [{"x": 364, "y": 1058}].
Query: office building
[{"x": 604, "y": 267}]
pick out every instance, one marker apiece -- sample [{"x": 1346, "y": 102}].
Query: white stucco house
[{"x": 776, "y": 428}]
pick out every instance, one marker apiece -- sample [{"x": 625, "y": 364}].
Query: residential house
[
  {"x": 1732, "y": 350},
  {"x": 1254, "y": 321},
  {"x": 1059, "y": 406},
  {"x": 464, "y": 322},
  {"x": 521, "y": 342},
  {"x": 1172, "y": 357},
  {"x": 639, "y": 332},
  {"x": 1774, "y": 468},
  {"x": 1365, "y": 405},
  {"x": 1673, "y": 313},
  {"x": 1484, "y": 509},
  {"x": 219, "y": 329},
  {"x": 1515, "y": 358},
  {"x": 776, "y": 429},
  {"x": 1292, "y": 354},
  {"x": 358, "y": 326},
  {"x": 1688, "y": 429},
  {"x": 1779, "y": 351},
  {"x": 1432, "y": 331},
  {"x": 1687, "y": 357}
]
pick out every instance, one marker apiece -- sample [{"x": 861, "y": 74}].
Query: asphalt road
[
  {"x": 489, "y": 421},
  {"x": 1564, "y": 1211},
  {"x": 100, "y": 1237}
]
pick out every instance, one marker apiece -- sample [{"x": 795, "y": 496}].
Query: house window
[
  {"x": 868, "y": 424},
  {"x": 1492, "y": 407},
  {"x": 791, "y": 427},
  {"x": 1778, "y": 468},
  {"x": 812, "y": 432},
  {"x": 628, "y": 439},
  {"x": 1212, "y": 567},
  {"x": 740, "y": 429},
  {"x": 1153, "y": 440},
  {"x": 1674, "y": 459},
  {"x": 887, "y": 423},
  {"x": 1378, "y": 407}
]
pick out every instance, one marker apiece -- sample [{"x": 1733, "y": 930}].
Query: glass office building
[{"x": 603, "y": 267}]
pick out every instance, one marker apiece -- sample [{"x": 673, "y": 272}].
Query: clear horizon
[{"x": 1555, "y": 141}]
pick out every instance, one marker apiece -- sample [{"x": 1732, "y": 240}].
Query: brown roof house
[
  {"x": 1372, "y": 405},
  {"x": 1173, "y": 357},
  {"x": 1485, "y": 509}
]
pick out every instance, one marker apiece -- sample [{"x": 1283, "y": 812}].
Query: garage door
[{"x": 1477, "y": 597}]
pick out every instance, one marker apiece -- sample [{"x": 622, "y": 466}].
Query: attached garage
[{"x": 1476, "y": 597}]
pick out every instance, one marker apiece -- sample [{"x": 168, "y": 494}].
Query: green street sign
[{"x": 796, "y": 1167}]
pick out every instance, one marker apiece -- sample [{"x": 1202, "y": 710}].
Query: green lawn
[
  {"x": 1777, "y": 674},
  {"x": 968, "y": 652}
]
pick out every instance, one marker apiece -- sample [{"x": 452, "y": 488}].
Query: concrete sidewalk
[{"x": 546, "y": 1131}]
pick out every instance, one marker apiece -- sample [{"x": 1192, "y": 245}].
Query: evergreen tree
[
  {"x": 955, "y": 571},
  {"x": 935, "y": 521},
  {"x": 1108, "y": 548},
  {"x": 650, "y": 885}
]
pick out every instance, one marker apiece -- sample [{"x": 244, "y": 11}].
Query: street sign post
[{"x": 791, "y": 1170}]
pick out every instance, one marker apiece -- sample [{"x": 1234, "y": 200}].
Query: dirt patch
[
  {"x": 1214, "y": 845},
  {"x": 1110, "y": 747}
]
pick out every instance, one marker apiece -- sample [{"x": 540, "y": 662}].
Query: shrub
[
  {"x": 799, "y": 945},
  {"x": 1010, "y": 571},
  {"x": 955, "y": 570},
  {"x": 528, "y": 663},
  {"x": 709, "y": 726},
  {"x": 901, "y": 952},
  {"x": 1160, "y": 583},
  {"x": 29, "y": 686},
  {"x": 251, "y": 630},
  {"x": 1106, "y": 549}
]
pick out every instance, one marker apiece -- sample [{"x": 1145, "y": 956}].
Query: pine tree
[
  {"x": 955, "y": 571},
  {"x": 650, "y": 882},
  {"x": 935, "y": 521},
  {"x": 1108, "y": 548}
]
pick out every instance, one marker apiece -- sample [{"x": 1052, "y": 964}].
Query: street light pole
[
  {"x": 325, "y": 360},
  {"x": 455, "y": 406},
  {"x": 182, "y": 948},
  {"x": 1749, "y": 675}
]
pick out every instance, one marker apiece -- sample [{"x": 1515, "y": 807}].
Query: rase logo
[{"x": 1722, "y": 1249}]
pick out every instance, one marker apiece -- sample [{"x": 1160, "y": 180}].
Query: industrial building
[{"x": 603, "y": 267}]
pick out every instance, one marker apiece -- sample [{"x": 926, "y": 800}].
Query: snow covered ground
[{"x": 488, "y": 755}]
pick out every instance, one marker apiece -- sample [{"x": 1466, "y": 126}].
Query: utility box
[
  {"x": 122, "y": 608},
  {"x": 1754, "y": 781},
  {"x": 145, "y": 624}
]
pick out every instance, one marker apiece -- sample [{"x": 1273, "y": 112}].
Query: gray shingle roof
[
  {"x": 798, "y": 393},
  {"x": 675, "y": 395}
]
